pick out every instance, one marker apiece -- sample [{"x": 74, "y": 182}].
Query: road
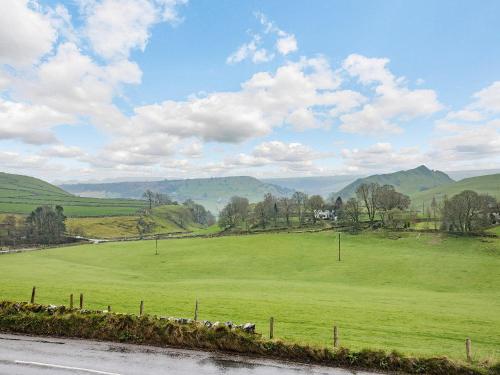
[{"x": 25, "y": 355}]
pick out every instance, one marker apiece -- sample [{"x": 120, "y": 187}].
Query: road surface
[{"x": 25, "y": 355}]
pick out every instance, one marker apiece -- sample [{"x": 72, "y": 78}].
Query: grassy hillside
[
  {"x": 164, "y": 219},
  {"x": 407, "y": 182},
  {"x": 417, "y": 293},
  {"x": 21, "y": 194},
  {"x": 213, "y": 193},
  {"x": 489, "y": 184},
  {"x": 322, "y": 185}
]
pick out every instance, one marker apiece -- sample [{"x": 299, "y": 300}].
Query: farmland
[
  {"x": 416, "y": 293},
  {"x": 164, "y": 219},
  {"x": 22, "y": 194},
  {"x": 489, "y": 184}
]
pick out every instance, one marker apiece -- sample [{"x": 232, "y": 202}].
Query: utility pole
[{"x": 339, "y": 246}]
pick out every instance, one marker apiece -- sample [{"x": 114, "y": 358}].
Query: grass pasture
[
  {"x": 166, "y": 219},
  {"x": 416, "y": 293},
  {"x": 22, "y": 194}
]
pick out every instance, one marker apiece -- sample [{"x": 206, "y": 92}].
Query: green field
[
  {"x": 489, "y": 184},
  {"x": 166, "y": 219},
  {"x": 417, "y": 293},
  {"x": 22, "y": 194}
]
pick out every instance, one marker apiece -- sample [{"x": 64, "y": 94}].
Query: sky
[{"x": 111, "y": 89}]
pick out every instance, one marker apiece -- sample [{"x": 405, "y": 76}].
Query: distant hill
[
  {"x": 460, "y": 175},
  {"x": 489, "y": 184},
  {"x": 407, "y": 182},
  {"x": 213, "y": 193},
  {"x": 21, "y": 194},
  {"x": 322, "y": 185}
]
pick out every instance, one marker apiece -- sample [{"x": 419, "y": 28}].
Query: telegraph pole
[{"x": 339, "y": 246}]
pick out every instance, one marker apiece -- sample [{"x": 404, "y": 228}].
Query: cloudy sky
[{"x": 99, "y": 89}]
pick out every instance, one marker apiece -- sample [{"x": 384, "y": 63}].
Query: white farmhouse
[{"x": 325, "y": 214}]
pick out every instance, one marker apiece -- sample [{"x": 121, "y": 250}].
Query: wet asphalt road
[{"x": 25, "y": 355}]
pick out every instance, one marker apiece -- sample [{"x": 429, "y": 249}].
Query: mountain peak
[{"x": 422, "y": 168}]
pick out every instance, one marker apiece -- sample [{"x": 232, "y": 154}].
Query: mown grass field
[
  {"x": 416, "y": 293},
  {"x": 22, "y": 194}
]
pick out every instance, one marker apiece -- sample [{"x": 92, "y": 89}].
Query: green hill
[
  {"x": 212, "y": 193},
  {"x": 21, "y": 194},
  {"x": 163, "y": 219},
  {"x": 322, "y": 185},
  {"x": 407, "y": 182},
  {"x": 489, "y": 184}
]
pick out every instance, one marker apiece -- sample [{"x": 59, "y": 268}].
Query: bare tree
[
  {"x": 300, "y": 201},
  {"x": 434, "y": 208},
  {"x": 367, "y": 193},
  {"x": 351, "y": 213},
  {"x": 467, "y": 211},
  {"x": 389, "y": 201},
  {"x": 150, "y": 197},
  {"x": 234, "y": 213},
  {"x": 286, "y": 208}
]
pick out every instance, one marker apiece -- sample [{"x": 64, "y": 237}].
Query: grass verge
[{"x": 158, "y": 331}]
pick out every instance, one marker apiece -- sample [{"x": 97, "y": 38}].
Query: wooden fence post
[
  {"x": 141, "y": 309},
  {"x": 271, "y": 327},
  {"x": 109, "y": 308},
  {"x": 468, "y": 349},
  {"x": 81, "y": 301},
  {"x": 71, "y": 301},
  {"x": 196, "y": 310},
  {"x": 335, "y": 337},
  {"x": 33, "y": 291}
]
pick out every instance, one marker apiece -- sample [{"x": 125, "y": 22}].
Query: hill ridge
[{"x": 408, "y": 181}]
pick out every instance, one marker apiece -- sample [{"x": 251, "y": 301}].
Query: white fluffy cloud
[
  {"x": 72, "y": 83},
  {"x": 488, "y": 99},
  {"x": 284, "y": 44},
  {"x": 472, "y": 134},
  {"x": 393, "y": 102},
  {"x": 29, "y": 123},
  {"x": 286, "y": 156},
  {"x": 265, "y": 101},
  {"x": 467, "y": 141},
  {"x": 116, "y": 27},
  {"x": 63, "y": 151},
  {"x": 381, "y": 156},
  {"x": 25, "y": 33},
  {"x": 251, "y": 51}
]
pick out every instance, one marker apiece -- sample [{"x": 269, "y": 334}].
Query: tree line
[
  {"x": 298, "y": 209},
  {"x": 43, "y": 226},
  {"x": 374, "y": 206},
  {"x": 193, "y": 213}
]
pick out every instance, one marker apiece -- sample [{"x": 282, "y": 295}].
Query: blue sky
[{"x": 97, "y": 89}]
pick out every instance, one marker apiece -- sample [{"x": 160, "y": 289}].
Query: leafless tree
[
  {"x": 367, "y": 193},
  {"x": 351, "y": 213}
]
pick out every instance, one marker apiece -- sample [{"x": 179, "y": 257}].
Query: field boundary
[{"x": 60, "y": 321}]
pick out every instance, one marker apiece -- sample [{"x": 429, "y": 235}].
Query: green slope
[
  {"x": 407, "y": 182},
  {"x": 489, "y": 184},
  {"x": 213, "y": 193},
  {"x": 322, "y": 185},
  {"x": 164, "y": 219},
  {"x": 418, "y": 294},
  {"x": 21, "y": 194}
]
